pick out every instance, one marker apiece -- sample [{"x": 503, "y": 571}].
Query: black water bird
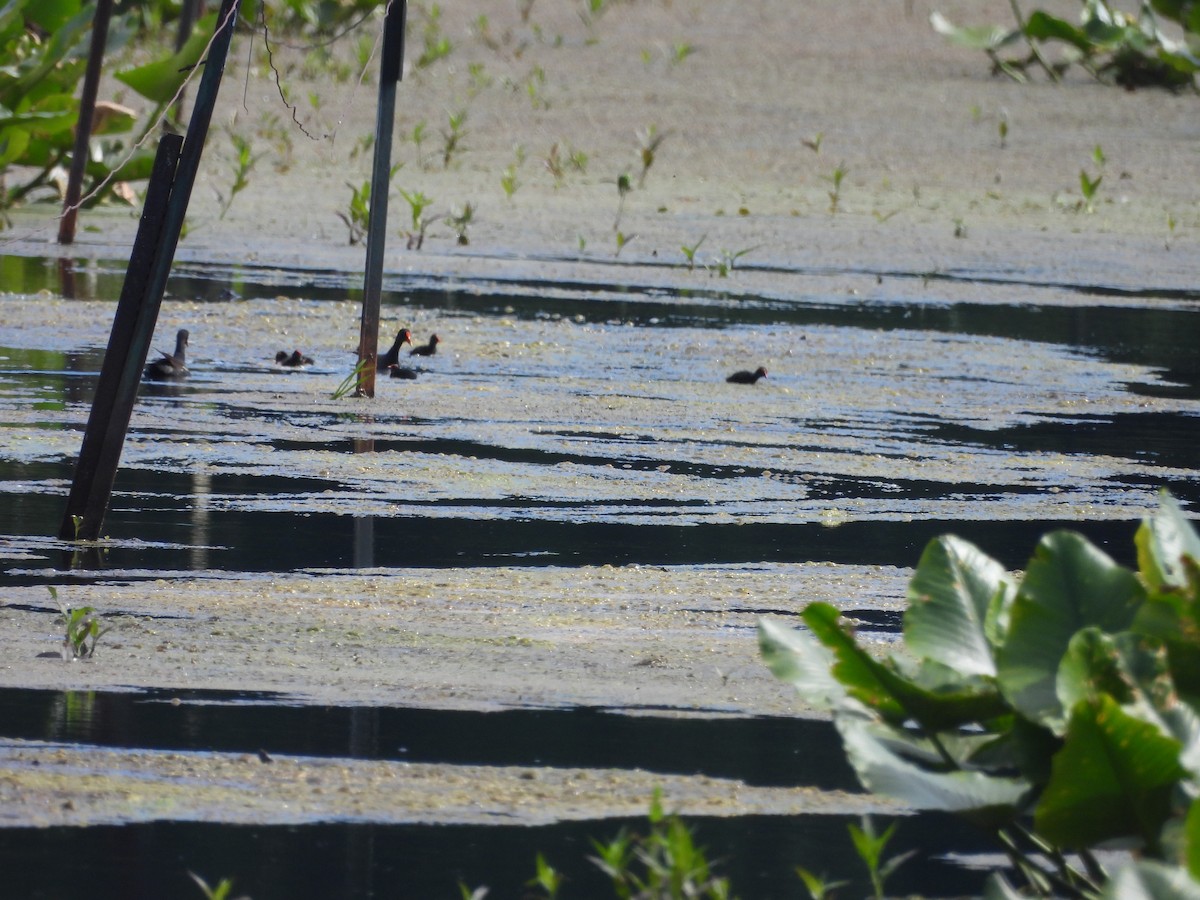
[
  {"x": 392, "y": 357},
  {"x": 745, "y": 377},
  {"x": 292, "y": 360},
  {"x": 426, "y": 349},
  {"x": 170, "y": 366}
]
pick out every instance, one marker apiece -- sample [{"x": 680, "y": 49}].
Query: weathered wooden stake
[
  {"x": 390, "y": 70},
  {"x": 146, "y": 281},
  {"x": 83, "y": 125}
]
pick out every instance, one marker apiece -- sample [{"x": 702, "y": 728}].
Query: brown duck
[{"x": 170, "y": 366}]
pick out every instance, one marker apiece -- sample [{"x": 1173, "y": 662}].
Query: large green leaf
[
  {"x": 1191, "y": 840},
  {"x": 1068, "y": 585},
  {"x": 51, "y": 15},
  {"x": 13, "y": 144},
  {"x": 12, "y": 19},
  {"x": 159, "y": 81},
  {"x": 1150, "y": 880},
  {"x": 1045, "y": 27},
  {"x": 799, "y": 659},
  {"x": 986, "y": 37},
  {"x": 891, "y": 762},
  {"x": 955, "y": 593},
  {"x": 1163, "y": 541},
  {"x": 1113, "y": 778},
  {"x": 49, "y": 64},
  {"x": 1123, "y": 666},
  {"x": 1134, "y": 672},
  {"x": 939, "y": 703}
]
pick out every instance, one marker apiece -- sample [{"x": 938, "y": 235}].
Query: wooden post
[
  {"x": 146, "y": 281},
  {"x": 83, "y": 125},
  {"x": 390, "y": 70}
]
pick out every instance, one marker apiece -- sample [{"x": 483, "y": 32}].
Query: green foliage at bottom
[{"x": 1057, "y": 709}]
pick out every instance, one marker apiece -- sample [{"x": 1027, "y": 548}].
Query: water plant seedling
[
  {"x": 352, "y": 382},
  {"x": 533, "y": 88},
  {"x": 835, "y": 178},
  {"x": 650, "y": 139},
  {"x": 220, "y": 892},
  {"x": 546, "y": 877},
  {"x": 509, "y": 181},
  {"x": 417, "y": 204},
  {"x": 725, "y": 264},
  {"x": 435, "y": 44},
  {"x": 417, "y": 135},
  {"x": 624, "y": 186},
  {"x": 460, "y": 221},
  {"x": 680, "y": 51},
  {"x": 1088, "y": 187},
  {"x": 452, "y": 136},
  {"x": 243, "y": 162},
  {"x": 80, "y": 626},
  {"x": 358, "y": 214},
  {"x": 690, "y": 252}
]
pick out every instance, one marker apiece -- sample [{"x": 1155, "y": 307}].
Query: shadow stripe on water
[
  {"x": 760, "y": 751},
  {"x": 282, "y": 542},
  {"x": 757, "y": 853}
]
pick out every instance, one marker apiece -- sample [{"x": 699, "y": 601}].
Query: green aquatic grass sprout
[{"x": 81, "y": 629}]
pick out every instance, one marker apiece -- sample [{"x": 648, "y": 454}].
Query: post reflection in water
[
  {"x": 199, "y": 531},
  {"x": 364, "y": 526}
]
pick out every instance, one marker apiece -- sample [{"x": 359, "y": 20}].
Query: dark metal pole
[
  {"x": 83, "y": 125},
  {"x": 95, "y": 473},
  {"x": 390, "y": 70},
  {"x": 116, "y": 391}
]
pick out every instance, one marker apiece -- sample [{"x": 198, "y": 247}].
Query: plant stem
[{"x": 1033, "y": 47}]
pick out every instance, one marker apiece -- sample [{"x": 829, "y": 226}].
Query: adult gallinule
[
  {"x": 426, "y": 349},
  {"x": 292, "y": 360},
  {"x": 389, "y": 359},
  {"x": 170, "y": 365},
  {"x": 745, "y": 377},
  {"x": 403, "y": 372}
]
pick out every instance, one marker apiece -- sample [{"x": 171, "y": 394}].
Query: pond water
[{"x": 566, "y": 425}]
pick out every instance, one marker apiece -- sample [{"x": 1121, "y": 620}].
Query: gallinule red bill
[
  {"x": 745, "y": 377},
  {"x": 426, "y": 349},
  {"x": 389, "y": 359},
  {"x": 292, "y": 360},
  {"x": 170, "y": 366},
  {"x": 403, "y": 372}
]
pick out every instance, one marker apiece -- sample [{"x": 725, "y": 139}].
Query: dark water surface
[
  {"x": 150, "y": 862},
  {"x": 261, "y": 519}
]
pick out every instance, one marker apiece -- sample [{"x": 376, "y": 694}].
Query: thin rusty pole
[
  {"x": 83, "y": 125},
  {"x": 390, "y": 71}
]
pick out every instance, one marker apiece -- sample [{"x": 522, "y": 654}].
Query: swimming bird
[
  {"x": 403, "y": 372},
  {"x": 745, "y": 377},
  {"x": 292, "y": 360},
  {"x": 389, "y": 359},
  {"x": 170, "y": 365},
  {"x": 426, "y": 349}
]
